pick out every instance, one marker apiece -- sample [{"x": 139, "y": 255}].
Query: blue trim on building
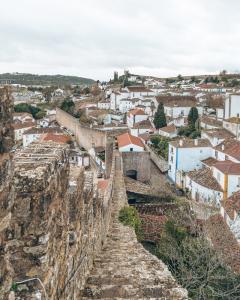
[{"x": 176, "y": 165}]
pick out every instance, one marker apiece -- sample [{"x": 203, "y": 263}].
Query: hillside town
[{"x": 178, "y": 139}]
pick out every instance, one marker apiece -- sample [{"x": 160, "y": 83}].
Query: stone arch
[{"x": 132, "y": 174}]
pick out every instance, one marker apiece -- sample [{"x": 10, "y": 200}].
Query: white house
[
  {"x": 135, "y": 116},
  {"x": 233, "y": 126},
  {"x": 139, "y": 91},
  {"x": 104, "y": 104},
  {"x": 22, "y": 117},
  {"x": 185, "y": 155},
  {"x": 216, "y": 136},
  {"x": 129, "y": 143},
  {"x": 204, "y": 187},
  {"x": 126, "y": 104},
  {"x": 141, "y": 127},
  {"x": 168, "y": 131},
  {"x": 210, "y": 123},
  {"x": 19, "y": 130},
  {"x": 227, "y": 150},
  {"x": 80, "y": 159},
  {"x": 35, "y": 134},
  {"x": 232, "y": 106},
  {"x": 230, "y": 211}
]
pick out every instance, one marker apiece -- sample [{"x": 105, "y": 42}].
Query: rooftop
[
  {"x": 181, "y": 101},
  {"x": 234, "y": 120},
  {"x": 228, "y": 167},
  {"x": 189, "y": 143},
  {"x": 169, "y": 129},
  {"x": 219, "y": 133},
  {"x": 204, "y": 177},
  {"x": 145, "y": 124},
  {"x": 138, "y": 89},
  {"x": 136, "y": 111},
  {"x": 230, "y": 147},
  {"x": 211, "y": 121},
  {"x": 128, "y": 139},
  {"x": 232, "y": 204}
]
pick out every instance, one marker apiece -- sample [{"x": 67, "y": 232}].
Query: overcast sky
[{"x": 92, "y": 38}]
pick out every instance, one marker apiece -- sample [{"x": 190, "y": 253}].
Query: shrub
[{"x": 128, "y": 215}]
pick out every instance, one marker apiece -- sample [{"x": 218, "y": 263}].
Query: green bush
[{"x": 128, "y": 215}]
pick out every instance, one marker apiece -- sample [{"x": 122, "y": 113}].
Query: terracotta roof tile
[
  {"x": 127, "y": 139},
  {"x": 228, "y": 167},
  {"x": 204, "y": 177},
  {"x": 232, "y": 204},
  {"x": 230, "y": 147}
]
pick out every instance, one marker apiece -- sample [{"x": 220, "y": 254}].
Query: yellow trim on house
[{"x": 225, "y": 189}]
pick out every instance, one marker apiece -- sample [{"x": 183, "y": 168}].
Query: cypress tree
[
  {"x": 192, "y": 117},
  {"x": 159, "y": 117}
]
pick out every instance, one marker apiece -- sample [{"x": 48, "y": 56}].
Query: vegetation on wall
[
  {"x": 128, "y": 215},
  {"x": 160, "y": 145}
]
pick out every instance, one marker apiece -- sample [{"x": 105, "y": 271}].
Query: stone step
[{"x": 110, "y": 292}]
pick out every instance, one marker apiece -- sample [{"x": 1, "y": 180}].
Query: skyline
[{"x": 94, "y": 39}]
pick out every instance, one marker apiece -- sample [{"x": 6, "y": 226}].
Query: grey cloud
[{"x": 92, "y": 38}]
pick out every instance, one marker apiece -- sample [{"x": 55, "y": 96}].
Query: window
[
  {"x": 171, "y": 149},
  {"x": 216, "y": 154},
  {"x": 172, "y": 159},
  {"x": 131, "y": 149},
  {"x": 226, "y": 157},
  {"x": 238, "y": 182}
]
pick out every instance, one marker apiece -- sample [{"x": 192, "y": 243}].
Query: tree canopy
[
  {"x": 192, "y": 117},
  {"x": 160, "y": 118}
]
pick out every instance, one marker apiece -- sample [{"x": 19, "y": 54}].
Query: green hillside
[{"x": 33, "y": 79}]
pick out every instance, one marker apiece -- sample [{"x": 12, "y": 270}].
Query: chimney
[
  {"x": 223, "y": 147},
  {"x": 195, "y": 142},
  {"x": 181, "y": 143}
]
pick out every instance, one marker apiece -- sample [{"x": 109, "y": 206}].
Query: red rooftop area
[{"x": 128, "y": 139}]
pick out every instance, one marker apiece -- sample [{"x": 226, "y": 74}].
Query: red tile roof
[
  {"x": 204, "y": 177},
  {"x": 136, "y": 111},
  {"x": 58, "y": 138},
  {"x": 230, "y": 147},
  {"x": 228, "y": 167},
  {"x": 232, "y": 204},
  {"x": 138, "y": 89},
  {"x": 23, "y": 125},
  {"x": 102, "y": 184},
  {"x": 128, "y": 139}
]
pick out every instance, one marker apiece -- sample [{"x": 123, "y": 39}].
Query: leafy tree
[
  {"x": 41, "y": 114},
  {"x": 24, "y": 107},
  {"x": 192, "y": 117},
  {"x": 160, "y": 118},
  {"x": 196, "y": 265},
  {"x": 68, "y": 106},
  {"x": 161, "y": 145}
]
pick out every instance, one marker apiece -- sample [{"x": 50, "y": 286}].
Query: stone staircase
[{"x": 124, "y": 269}]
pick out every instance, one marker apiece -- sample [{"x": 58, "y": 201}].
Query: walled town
[{"x": 126, "y": 189}]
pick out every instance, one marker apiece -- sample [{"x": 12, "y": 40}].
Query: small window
[
  {"x": 131, "y": 149},
  {"x": 216, "y": 154}
]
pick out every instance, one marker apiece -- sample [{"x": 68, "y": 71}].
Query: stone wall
[
  {"x": 54, "y": 226},
  {"x": 6, "y": 130},
  {"x": 85, "y": 136},
  {"x": 138, "y": 161}
]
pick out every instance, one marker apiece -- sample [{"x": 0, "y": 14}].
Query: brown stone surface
[{"x": 124, "y": 269}]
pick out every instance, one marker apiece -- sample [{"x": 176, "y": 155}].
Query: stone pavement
[{"x": 124, "y": 269}]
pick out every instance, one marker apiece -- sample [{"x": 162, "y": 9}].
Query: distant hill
[{"x": 33, "y": 79}]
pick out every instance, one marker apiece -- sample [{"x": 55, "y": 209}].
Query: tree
[
  {"x": 68, "y": 106},
  {"x": 195, "y": 264},
  {"x": 160, "y": 118},
  {"x": 41, "y": 114},
  {"x": 192, "y": 117},
  {"x": 180, "y": 78}
]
